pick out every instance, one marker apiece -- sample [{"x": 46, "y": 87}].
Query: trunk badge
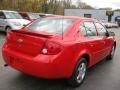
[{"x": 20, "y": 40}]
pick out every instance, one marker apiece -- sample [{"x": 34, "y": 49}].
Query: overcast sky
[{"x": 115, "y": 4}]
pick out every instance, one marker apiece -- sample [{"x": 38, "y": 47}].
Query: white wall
[{"x": 97, "y": 14}]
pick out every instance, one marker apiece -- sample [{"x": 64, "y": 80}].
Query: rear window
[
  {"x": 33, "y": 16},
  {"x": 24, "y": 15},
  {"x": 51, "y": 25}
]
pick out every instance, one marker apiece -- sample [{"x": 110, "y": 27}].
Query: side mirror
[
  {"x": 107, "y": 34},
  {"x": 111, "y": 34}
]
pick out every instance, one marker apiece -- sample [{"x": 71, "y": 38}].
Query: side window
[
  {"x": 90, "y": 29},
  {"x": 2, "y": 16},
  {"x": 24, "y": 15},
  {"x": 101, "y": 30},
  {"x": 83, "y": 30}
]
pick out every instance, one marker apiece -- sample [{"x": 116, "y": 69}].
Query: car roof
[
  {"x": 25, "y": 12},
  {"x": 72, "y": 17},
  {"x": 7, "y": 11}
]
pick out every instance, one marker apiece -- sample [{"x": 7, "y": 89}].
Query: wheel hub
[{"x": 81, "y": 72}]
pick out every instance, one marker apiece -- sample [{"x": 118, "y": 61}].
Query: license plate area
[{"x": 16, "y": 62}]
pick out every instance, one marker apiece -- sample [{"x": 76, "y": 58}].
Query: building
[{"x": 93, "y": 13}]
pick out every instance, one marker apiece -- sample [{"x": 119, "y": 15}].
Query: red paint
[{"x": 26, "y": 51}]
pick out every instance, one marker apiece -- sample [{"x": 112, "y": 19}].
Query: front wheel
[{"x": 79, "y": 73}]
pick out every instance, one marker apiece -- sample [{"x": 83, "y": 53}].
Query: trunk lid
[{"x": 26, "y": 42}]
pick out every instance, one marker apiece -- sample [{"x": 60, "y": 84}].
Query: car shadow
[
  {"x": 98, "y": 66},
  {"x": 23, "y": 80},
  {"x": 34, "y": 83}
]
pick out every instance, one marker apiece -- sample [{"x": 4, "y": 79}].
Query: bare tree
[{"x": 46, "y": 6}]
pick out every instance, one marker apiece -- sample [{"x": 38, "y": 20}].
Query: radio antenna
[{"x": 62, "y": 27}]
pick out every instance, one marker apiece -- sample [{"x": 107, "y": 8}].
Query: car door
[
  {"x": 93, "y": 42},
  {"x": 2, "y": 21},
  {"x": 107, "y": 40}
]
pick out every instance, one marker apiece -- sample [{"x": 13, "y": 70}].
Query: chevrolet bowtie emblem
[{"x": 20, "y": 40}]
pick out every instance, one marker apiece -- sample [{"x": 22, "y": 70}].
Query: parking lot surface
[{"x": 103, "y": 76}]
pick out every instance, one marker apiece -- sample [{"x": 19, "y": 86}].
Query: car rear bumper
[{"x": 49, "y": 67}]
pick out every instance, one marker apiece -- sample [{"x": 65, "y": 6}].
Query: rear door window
[
  {"x": 90, "y": 29},
  {"x": 83, "y": 30},
  {"x": 24, "y": 15}
]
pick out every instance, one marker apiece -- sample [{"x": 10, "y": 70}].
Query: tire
[
  {"x": 7, "y": 29},
  {"x": 111, "y": 55},
  {"x": 79, "y": 73}
]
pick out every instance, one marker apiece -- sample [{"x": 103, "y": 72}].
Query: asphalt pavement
[{"x": 103, "y": 76}]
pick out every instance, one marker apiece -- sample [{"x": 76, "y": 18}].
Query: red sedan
[{"x": 59, "y": 47}]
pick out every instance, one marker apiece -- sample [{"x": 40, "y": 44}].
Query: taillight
[{"x": 51, "y": 48}]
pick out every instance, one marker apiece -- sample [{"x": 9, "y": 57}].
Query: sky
[{"x": 115, "y": 4}]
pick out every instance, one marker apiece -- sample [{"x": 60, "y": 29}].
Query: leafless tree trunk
[{"x": 47, "y": 6}]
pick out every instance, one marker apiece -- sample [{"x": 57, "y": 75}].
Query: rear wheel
[
  {"x": 111, "y": 55},
  {"x": 79, "y": 73}
]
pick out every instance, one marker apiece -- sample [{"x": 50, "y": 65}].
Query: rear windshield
[
  {"x": 51, "y": 25},
  {"x": 24, "y": 15},
  {"x": 34, "y": 16}
]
